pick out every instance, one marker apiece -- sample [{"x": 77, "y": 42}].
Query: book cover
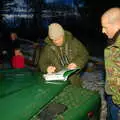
[{"x": 61, "y": 75}]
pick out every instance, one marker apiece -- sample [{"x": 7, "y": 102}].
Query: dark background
[{"x": 81, "y": 17}]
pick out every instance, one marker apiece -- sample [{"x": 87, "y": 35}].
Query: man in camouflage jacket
[
  {"x": 112, "y": 64},
  {"x": 110, "y": 21},
  {"x": 62, "y": 50}
]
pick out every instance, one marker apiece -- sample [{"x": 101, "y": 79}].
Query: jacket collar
[
  {"x": 116, "y": 35},
  {"x": 116, "y": 40}
]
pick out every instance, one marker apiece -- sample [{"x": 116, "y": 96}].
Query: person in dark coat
[{"x": 15, "y": 41}]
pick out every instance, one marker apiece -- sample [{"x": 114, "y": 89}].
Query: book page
[
  {"x": 61, "y": 75},
  {"x": 52, "y": 77}
]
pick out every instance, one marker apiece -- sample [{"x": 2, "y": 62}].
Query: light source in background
[
  {"x": 16, "y": 11},
  {"x": 71, "y": 3},
  {"x": 60, "y": 11}
]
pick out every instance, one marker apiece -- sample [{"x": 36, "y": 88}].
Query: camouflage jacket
[
  {"x": 73, "y": 51},
  {"x": 112, "y": 66}
]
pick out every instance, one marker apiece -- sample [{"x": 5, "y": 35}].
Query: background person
[{"x": 18, "y": 59}]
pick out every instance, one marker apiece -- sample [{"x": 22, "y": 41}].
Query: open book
[{"x": 61, "y": 75}]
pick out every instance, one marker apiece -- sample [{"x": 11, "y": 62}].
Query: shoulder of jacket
[
  {"x": 68, "y": 33},
  {"x": 68, "y": 36}
]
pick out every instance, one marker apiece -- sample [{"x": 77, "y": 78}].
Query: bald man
[{"x": 110, "y": 21}]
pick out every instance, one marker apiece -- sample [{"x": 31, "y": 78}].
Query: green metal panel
[
  {"x": 15, "y": 80},
  {"x": 80, "y": 102},
  {"x": 22, "y": 97}
]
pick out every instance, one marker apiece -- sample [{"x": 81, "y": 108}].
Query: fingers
[
  {"x": 51, "y": 69},
  {"x": 72, "y": 66}
]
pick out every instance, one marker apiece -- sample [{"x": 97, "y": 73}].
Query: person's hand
[
  {"x": 72, "y": 66},
  {"x": 51, "y": 69}
]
